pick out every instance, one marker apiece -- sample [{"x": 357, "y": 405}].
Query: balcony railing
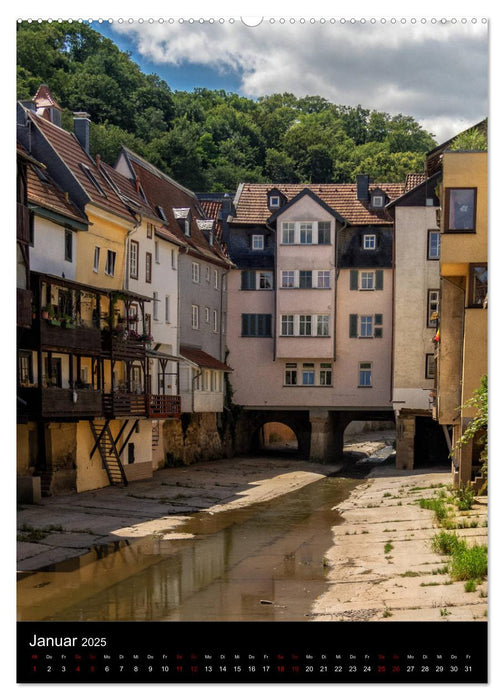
[
  {"x": 163, "y": 406},
  {"x": 122, "y": 346},
  {"x": 124, "y": 404},
  {"x": 55, "y": 402}
]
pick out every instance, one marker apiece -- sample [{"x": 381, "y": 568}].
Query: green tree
[{"x": 478, "y": 427}]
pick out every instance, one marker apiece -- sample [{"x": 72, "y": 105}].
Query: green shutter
[
  {"x": 379, "y": 279},
  {"x": 378, "y": 319},
  {"x": 353, "y": 325},
  {"x": 378, "y": 332},
  {"x": 248, "y": 279},
  {"x": 354, "y": 279}
]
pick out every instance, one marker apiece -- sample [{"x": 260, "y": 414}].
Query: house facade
[
  {"x": 417, "y": 238},
  {"x": 461, "y": 347},
  {"x": 310, "y": 307}
]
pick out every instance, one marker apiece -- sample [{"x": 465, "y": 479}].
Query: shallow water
[{"x": 263, "y": 562}]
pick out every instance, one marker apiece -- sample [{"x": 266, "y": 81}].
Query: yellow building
[{"x": 461, "y": 340}]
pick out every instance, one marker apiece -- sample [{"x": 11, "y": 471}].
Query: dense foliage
[{"x": 210, "y": 140}]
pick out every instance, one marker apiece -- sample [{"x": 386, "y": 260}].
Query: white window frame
[
  {"x": 288, "y": 232},
  {"x": 134, "y": 253},
  {"x": 377, "y": 201},
  {"x": 110, "y": 263},
  {"x": 290, "y": 374},
  {"x": 288, "y": 276},
  {"x": 365, "y": 325},
  {"x": 207, "y": 314},
  {"x": 308, "y": 370},
  {"x": 433, "y": 297},
  {"x": 370, "y": 281},
  {"x": 305, "y": 322},
  {"x": 369, "y": 241},
  {"x": 265, "y": 276},
  {"x": 323, "y": 276},
  {"x": 215, "y": 279},
  {"x": 325, "y": 374},
  {"x": 287, "y": 324},
  {"x": 195, "y": 316},
  {"x": 155, "y": 306},
  {"x": 96, "y": 259},
  {"x": 366, "y": 367},
  {"x": 156, "y": 251},
  {"x": 430, "y": 233},
  {"x": 257, "y": 242},
  {"x": 306, "y": 232},
  {"x": 215, "y": 321},
  {"x": 274, "y": 201},
  {"x": 173, "y": 259},
  {"x": 195, "y": 272},
  {"x": 207, "y": 274}
]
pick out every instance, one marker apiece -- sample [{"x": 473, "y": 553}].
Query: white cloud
[{"x": 434, "y": 72}]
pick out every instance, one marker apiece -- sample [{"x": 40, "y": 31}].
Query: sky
[{"x": 436, "y": 72}]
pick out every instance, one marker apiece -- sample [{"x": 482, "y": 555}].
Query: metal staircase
[
  {"x": 106, "y": 446},
  {"x": 155, "y": 433}
]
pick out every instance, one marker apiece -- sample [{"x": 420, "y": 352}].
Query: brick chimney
[
  {"x": 82, "y": 125},
  {"x": 363, "y": 188}
]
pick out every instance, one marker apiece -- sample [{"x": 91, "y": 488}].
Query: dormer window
[
  {"x": 161, "y": 213},
  {"x": 369, "y": 241},
  {"x": 377, "y": 201},
  {"x": 257, "y": 242},
  {"x": 93, "y": 180},
  {"x": 274, "y": 201},
  {"x": 187, "y": 228}
]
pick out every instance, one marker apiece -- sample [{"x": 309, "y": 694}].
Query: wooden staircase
[{"x": 108, "y": 451}]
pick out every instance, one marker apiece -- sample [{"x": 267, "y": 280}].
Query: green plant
[
  {"x": 469, "y": 563},
  {"x": 465, "y": 497},
  {"x": 444, "y": 612},
  {"x": 409, "y": 574},
  {"x": 387, "y": 612},
  {"x": 388, "y": 547},
  {"x": 478, "y": 425},
  {"x": 470, "y": 586},
  {"x": 474, "y": 139},
  {"x": 446, "y": 543},
  {"x": 436, "y": 505}
]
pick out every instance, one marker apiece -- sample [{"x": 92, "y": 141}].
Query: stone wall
[{"x": 192, "y": 438}]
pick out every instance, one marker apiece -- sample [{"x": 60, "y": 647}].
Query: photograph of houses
[{"x": 252, "y": 293}]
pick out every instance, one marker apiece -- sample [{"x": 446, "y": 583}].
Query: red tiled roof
[
  {"x": 412, "y": 180},
  {"x": 203, "y": 359},
  {"x": 252, "y": 202},
  {"x": 73, "y": 155},
  {"x": 162, "y": 191},
  {"x": 45, "y": 193},
  {"x": 212, "y": 209},
  {"x": 44, "y": 98}
]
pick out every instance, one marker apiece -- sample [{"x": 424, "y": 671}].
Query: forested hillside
[{"x": 210, "y": 140}]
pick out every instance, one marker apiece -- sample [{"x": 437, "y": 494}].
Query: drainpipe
[
  {"x": 224, "y": 275},
  {"x": 274, "y": 324}
]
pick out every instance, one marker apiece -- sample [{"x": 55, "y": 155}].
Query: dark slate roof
[
  {"x": 354, "y": 256},
  {"x": 43, "y": 192}
]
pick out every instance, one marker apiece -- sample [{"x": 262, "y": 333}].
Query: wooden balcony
[
  {"x": 124, "y": 404},
  {"x": 24, "y": 310},
  {"x": 163, "y": 406},
  {"x": 123, "y": 348},
  {"x": 63, "y": 404},
  {"x": 80, "y": 340}
]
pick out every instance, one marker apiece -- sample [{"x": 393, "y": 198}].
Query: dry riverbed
[{"x": 382, "y": 565}]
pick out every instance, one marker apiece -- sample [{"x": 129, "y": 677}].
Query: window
[
  {"x": 215, "y": 322},
  {"x": 434, "y": 245},
  {"x": 96, "y": 259},
  {"x": 305, "y": 233},
  {"x": 366, "y": 327},
  {"x": 156, "y": 251},
  {"x": 377, "y": 201},
  {"x": 155, "y": 306},
  {"x": 256, "y": 325},
  {"x": 288, "y": 232},
  {"x": 248, "y": 279},
  {"x": 93, "y": 180},
  {"x": 460, "y": 209},
  {"x": 305, "y": 279},
  {"x": 257, "y": 241},
  {"x": 288, "y": 278},
  {"x": 167, "y": 309},
  {"x": 110, "y": 263},
  {"x": 25, "y": 368},
  {"x": 323, "y": 325},
  {"x": 207, "y": 274},
  {"x": 68, "y": 245},
  {"x": 290, "y": 377},
  {"x": 287, "y": 324},
  {"x": 308, "y": 376},
  {"x": 365, "y": 374},
  {"x": 367, "y": 280},
  {"x": 429, "y": 366},
  {"x": 161, "y": 213},
  {"x": 323, "y": 279},
  {"x": 265, "y": 280},
  {"x": 325, "y": 374},
  {"x": 305, "y": 325},
  {"x": 150, "y": 229},
  {"x": 187, "y": 228},
  {"x": 432, "y": 307},
  {"x": 148, "y": 323},
  {"x": 369, "y": 241},
  {"x": 195, "y": 316},
  {"x": 478, "y": 284},
  {"x": 173, "y": 259},
  {"x": 207, "y": 314},
  {"x": 134, "y": 260},
  {"x": 148, "y": 267},
  {"x": 133, "y": 317},
  {"x": 216, "y": 279},
  {"x": 195, "y": 267},
  {"x": 274, "y": 201},
  {"x": 324, "y": 232}
]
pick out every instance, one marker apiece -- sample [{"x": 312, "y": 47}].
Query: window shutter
[
  {"x": 353, "y": 325},
  {"x": 245, "y": 325},
  {"x": 378, "y": 319},
  {"x": 379, "y": 279},
  {"x": 354, "y": 279},
  {"x": 248, "y": 279},
  {"x": 378, "y": 332}
]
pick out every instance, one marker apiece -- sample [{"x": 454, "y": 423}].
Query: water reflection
[{"x": 264, "y": 562}]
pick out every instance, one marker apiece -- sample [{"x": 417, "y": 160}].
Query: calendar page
[{"x": 252, "y": 293}]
